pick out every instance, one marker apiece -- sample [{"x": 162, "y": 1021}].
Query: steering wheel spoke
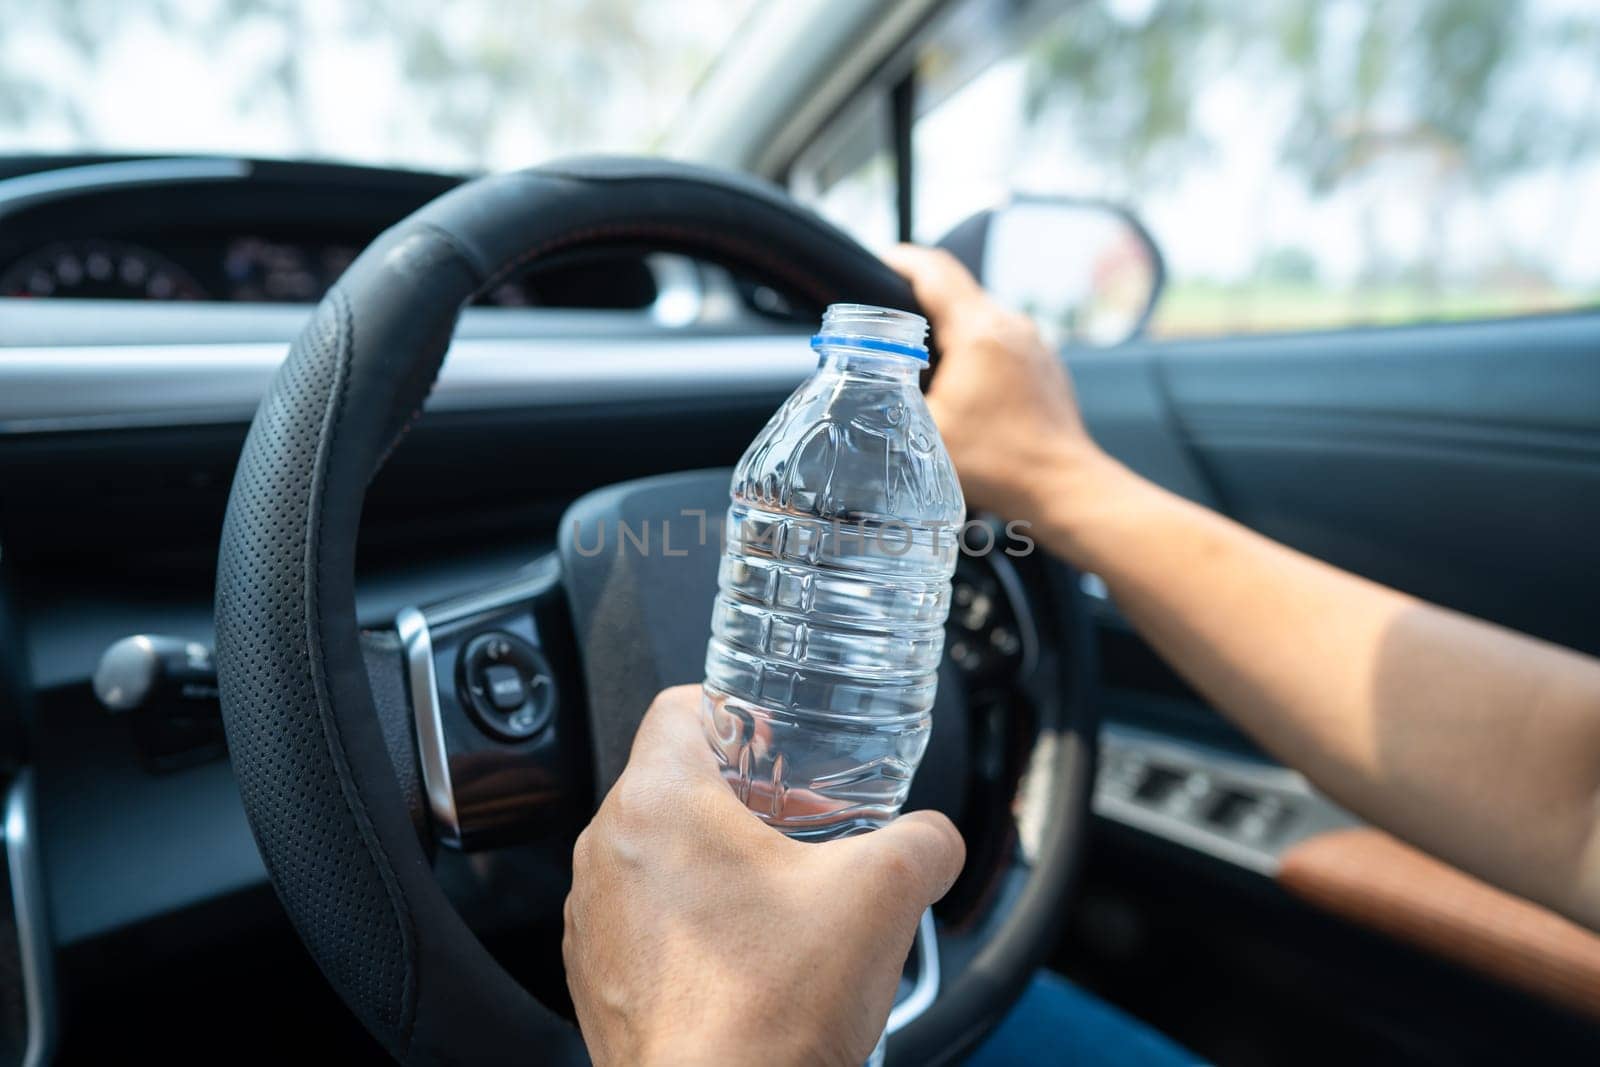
[{"x": 496, "y": 699}]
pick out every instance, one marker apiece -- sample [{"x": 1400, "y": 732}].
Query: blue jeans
[{"x": 1055, "y": 1022}]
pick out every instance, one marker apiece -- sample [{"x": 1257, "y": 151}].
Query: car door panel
[
  {"x": 1457, "y": 462},
  {"x": 1130, "y": 412},
  {"x": 1460, "y": 463}
]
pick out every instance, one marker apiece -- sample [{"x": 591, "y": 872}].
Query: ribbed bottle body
[{"x": 840, "y": 541}]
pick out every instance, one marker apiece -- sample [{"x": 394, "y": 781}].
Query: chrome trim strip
[
  {"x": 33, "y": 931},
  {"x": 27, "y": 189},
  {"x": 46, "y": 389},
  {"x": 925, "y": 987},
  {"x": 528, "y": 582},
  {"x": 433, "y": 754}
]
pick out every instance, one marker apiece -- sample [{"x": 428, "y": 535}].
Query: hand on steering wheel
[{"x": 696, "y": 932}]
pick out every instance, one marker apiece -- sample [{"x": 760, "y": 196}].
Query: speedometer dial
[{"x": 98, "y": 270}]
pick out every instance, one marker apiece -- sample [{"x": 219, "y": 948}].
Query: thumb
[{"x": 921, "y": 851}]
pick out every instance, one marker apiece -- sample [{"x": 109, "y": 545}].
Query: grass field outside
[{"x": 1207, "y": 309}]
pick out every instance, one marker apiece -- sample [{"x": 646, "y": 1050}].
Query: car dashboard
[
  {"x": 146, "y": 305},
  {"x": 241, "y": 231}
]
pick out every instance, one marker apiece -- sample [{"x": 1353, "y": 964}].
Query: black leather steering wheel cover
[{"x": 313, "y": 767}]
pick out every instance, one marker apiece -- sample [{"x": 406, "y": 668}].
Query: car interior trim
[
  {"x": 33, "y": 933},
  {"x": 1240, "y": 811},
  {"x": 765, "y": 100},
  {"x": 49, "y": 389},
  {"x": 533, "y": 580},
  {"x": 1378, "y": 881},
  {"x": 925, "y": 987},
  {"x": 28, "y": 189},
  {"x": 431, "y": 749}
]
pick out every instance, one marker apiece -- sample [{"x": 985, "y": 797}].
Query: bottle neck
[{"x": 866, "y": 363}]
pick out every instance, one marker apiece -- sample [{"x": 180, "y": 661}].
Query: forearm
[{"x": 1478, "y": 744}]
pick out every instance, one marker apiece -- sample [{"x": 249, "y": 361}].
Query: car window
[
  {"x": 1301, "y": 165},
  {"x": 848, "y": 173}
]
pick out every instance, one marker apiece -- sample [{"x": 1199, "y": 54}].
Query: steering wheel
[{"x": 355, "y": 754}]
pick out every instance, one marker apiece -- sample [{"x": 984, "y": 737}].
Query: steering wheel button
[
  {"x": 506, "y": 690},
  {"x": 506, "y": 686}
]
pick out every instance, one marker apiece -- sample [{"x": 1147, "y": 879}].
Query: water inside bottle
[{"x": 840, "y": 541}]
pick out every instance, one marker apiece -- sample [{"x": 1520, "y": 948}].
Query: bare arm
[{"x": 1476, "y": 743}]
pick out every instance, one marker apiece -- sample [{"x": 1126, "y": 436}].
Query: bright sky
[{"x": 577, "y": 75}]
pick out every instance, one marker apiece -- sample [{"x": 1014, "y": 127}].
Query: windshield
[{"x": 469, "y": 85}]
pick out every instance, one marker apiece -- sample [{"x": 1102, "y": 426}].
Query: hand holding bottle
[{"x": 697, "y": 934}]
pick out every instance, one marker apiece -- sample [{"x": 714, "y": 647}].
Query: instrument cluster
[{"x": 252, "y": 267}]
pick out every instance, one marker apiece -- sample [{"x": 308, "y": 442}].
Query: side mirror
[{"x": 1087, "y": 271}]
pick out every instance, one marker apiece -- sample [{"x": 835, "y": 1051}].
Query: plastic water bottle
[{"x": 841, "y": 537}]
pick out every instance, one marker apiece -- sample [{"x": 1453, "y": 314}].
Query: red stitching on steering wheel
[{"x": 750, "y": 253}]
